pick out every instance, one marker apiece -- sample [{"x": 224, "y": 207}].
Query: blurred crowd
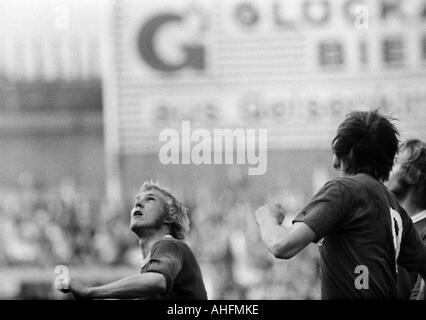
[
  {"x": 43, "y": 227},
  {"x": 63, "y": 225},
  {"x": 229, "y": 245}
]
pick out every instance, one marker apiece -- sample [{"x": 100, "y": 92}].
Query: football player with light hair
[
  {"x": 408, "y": 183},
  {"x": 170, "y": 270}
]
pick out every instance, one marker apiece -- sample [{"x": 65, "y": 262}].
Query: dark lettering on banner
[
  {"x": 393, "y": 51},
  {"x": 349, "y": 10},
  {"x": 331, "y": 54},
  {"x": 314, "y": 13},
  {"x": 168, "y": 112},
  {"x": 279, "y": 20},
  {"x": 250, "y": 107},
  {"x": 162, "y": 113},
  {"x": 246, "y": 14},
  {"x": 423, "y": 14},
  {"x": 260, "y": 107},
  {"x": 391, "y": 8},
  {"x": 424, "y": 48},
  {"x": 363, "y": 53},
  {"x": 212, "y": 114},
  {"x": 194, "y": 53},
  {"x": 279, "y": 110},
  {"x": 317, "y": 12}
]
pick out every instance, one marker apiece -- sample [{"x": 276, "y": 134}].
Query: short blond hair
[{"x": 176, "y": 210}]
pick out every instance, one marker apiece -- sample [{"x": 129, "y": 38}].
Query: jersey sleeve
[
  {"x": 412, "y": 254},
  {"x": 166, "y": 259},
  {"x": 327, "y": 209}
]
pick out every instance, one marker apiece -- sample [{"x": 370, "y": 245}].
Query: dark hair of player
[{"x": 366, "y": 142}]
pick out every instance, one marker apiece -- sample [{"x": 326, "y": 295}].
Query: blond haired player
[{"x": 170, "y": 270}]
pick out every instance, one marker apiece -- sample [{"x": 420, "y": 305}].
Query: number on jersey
[{"x": 396, "y": 232}]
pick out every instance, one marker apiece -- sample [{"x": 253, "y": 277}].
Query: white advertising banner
[{"x": 292, "y": 67}]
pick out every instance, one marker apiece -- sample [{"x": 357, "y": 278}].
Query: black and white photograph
[{"x": 212, "y": 150}]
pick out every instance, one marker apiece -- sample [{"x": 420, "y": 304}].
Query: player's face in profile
[
  {"x": 149, "y": 211},
  {"x": 396, "y": 176}
]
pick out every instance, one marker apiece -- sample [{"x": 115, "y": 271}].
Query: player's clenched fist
[
  {"x": 65, "y": 284},
  {"x": 78, "y": 289},
  {"x": 273, "y": 214}
]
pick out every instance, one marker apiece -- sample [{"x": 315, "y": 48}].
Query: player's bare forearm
[
  {"x": 274, "y": 238},
  {"x": 133, "y": 287},
  {"x": 283, "y": 242}
]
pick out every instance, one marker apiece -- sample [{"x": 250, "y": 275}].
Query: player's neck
[
  {"x": 409, "y": 204},
  {"x": 148, "y": 240}
]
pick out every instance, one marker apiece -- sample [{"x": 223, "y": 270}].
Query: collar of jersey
[
  {"x": 419, "y": 216},
  {"x": 148, "y": 257},
  {"x": 145, "y": 261}
]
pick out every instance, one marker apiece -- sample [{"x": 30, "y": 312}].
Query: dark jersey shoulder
[
  {"x": 175, "y": 261},
  {"x": 365, "y": 186}
]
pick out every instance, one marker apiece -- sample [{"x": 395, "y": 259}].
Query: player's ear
[
  {"x": 169, "y": 219},
  {"x": 336, "y": 162},
  {"x": 341, "y": 164}
]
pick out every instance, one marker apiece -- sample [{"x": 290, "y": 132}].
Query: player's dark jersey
[
  {"x": 176, "y": 262},
  {"x": 361, "y": 231},
  {"x": 409, "y": 282}
]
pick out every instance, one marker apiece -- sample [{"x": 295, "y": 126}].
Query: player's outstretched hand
[
  {"x": 274, "y": 214},
  {"x": 78, "y": 289}
]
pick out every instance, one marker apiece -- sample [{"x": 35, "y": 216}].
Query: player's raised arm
[
  {"x": 326, "y": 210},
  {"x": 283, "y": 242}
]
